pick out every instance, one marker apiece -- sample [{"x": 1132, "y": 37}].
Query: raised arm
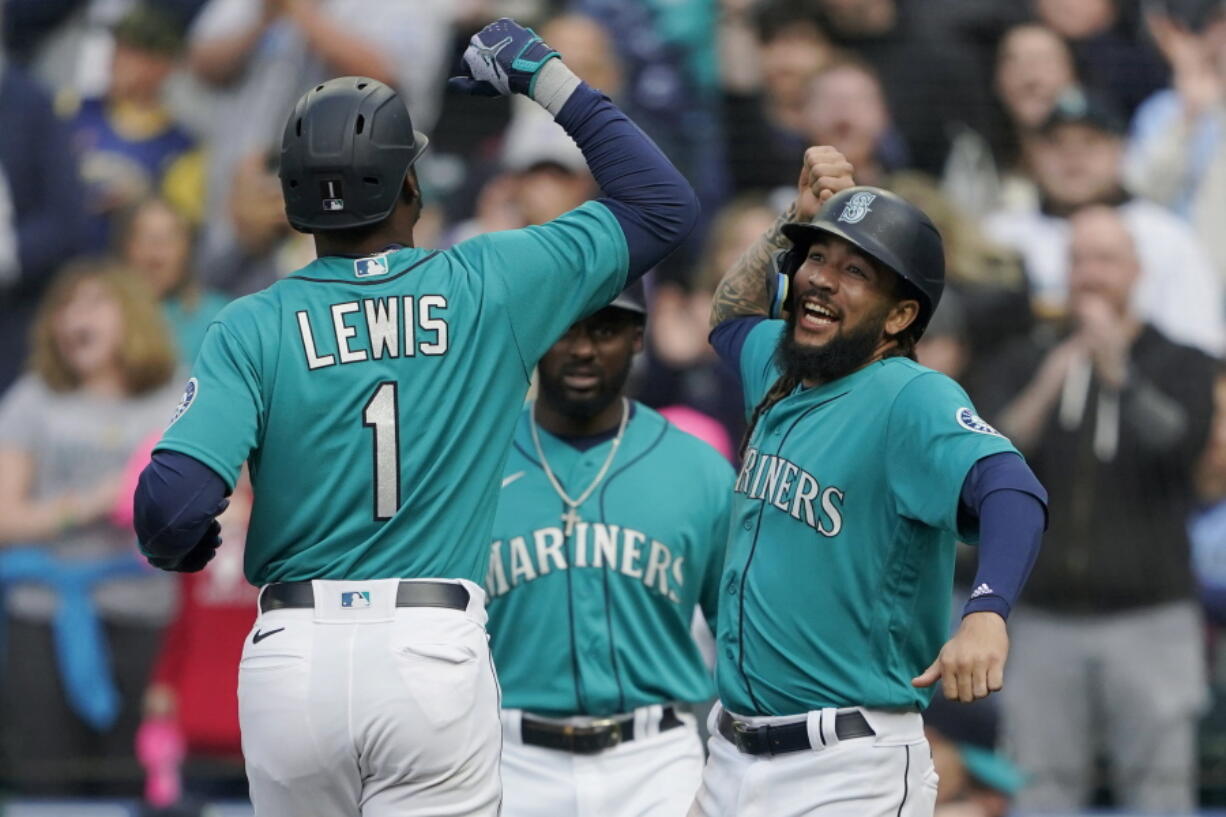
[
  {"x": 745, "y": 289},
  {"x": 653, "y": 203}
]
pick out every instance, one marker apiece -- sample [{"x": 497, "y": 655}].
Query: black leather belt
[
  {"x": 600, "y": 734},
  {"x": 778, "y": 739},
  {"x": 410, "y": 594}
]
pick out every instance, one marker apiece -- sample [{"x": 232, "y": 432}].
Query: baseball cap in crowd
[
  {"x": 973, "y": 728},
  {"x": 1195, "y": 14},
  {"x": 1075, "y": 106},
  {"x": 148, "y": 28}
]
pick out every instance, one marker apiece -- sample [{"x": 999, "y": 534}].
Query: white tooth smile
[{"x": 819, "y": 311}]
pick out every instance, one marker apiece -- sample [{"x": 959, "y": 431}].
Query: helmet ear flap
[{"x": 784, "y": 264}]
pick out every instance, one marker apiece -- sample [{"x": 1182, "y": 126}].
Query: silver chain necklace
[{"x": 571, "y": 517}]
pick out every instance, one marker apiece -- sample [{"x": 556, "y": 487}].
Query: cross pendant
[{"x": 570, "y": 518}]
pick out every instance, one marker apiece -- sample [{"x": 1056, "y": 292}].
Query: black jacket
[{"x": 1120, "y": 479}]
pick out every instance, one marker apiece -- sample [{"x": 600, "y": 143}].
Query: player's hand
[
  {"x": 826, "y": 171},
  {"x": 502, "y": 59},
  {"x": 972, "y": 663}
]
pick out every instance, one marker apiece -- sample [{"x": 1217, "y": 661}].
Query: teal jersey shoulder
[
  {"x": 599, "y": 621},
  {"x": 844, "y": 523},
  {"x": 374, "y": 398}
]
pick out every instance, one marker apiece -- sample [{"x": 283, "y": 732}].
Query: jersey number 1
[{"x": 381, "y": 415}]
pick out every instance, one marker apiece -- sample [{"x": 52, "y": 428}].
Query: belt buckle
[
  {"x": 741, "y": 734},
  {"x": 612, "y": 727}
]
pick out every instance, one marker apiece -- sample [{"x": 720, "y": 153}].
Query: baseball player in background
[
  {"x": 609, "y": 534},
  {"x": 860, "y": 470},
  {"x": 374, "y": 394}
]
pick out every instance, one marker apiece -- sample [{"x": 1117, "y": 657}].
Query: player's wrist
[{"x": 552, "y": 86}]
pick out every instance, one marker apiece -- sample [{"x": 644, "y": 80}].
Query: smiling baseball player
[
  {"x": 860, "y": 470},
  {"x": 593, "y": 586},
  {"x": 374, "y": 394}
]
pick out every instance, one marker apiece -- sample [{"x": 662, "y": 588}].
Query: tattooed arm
[{"x": 743, "y": 292}]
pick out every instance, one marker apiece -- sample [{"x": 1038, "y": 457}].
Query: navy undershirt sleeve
[
  {"x": 651, "y": 200},
  {"x": 176, "y": 500},
  {"x": 728, "y": 339},
  {"x": 1011, "y": 505}
]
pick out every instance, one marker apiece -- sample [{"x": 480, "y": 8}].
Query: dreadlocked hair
[{"x": 781, "y": 388}]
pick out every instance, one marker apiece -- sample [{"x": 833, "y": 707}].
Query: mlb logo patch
[
  {"x": 334, "y": 205},
  {"x": 370, "y": 267},
  {"x": 355, "y": 598}
]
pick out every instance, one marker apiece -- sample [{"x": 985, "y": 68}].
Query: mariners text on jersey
[
  {"x": 396, "y": 326},
  {"x": 522, "y": 559},
  {"x": 789, "y": 488}
]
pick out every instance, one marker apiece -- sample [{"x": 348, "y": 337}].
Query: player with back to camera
[
  {"x": 860, "y": 470},
  {"x": 374, "y": 393},
  {"x": 609, "y": 534}
]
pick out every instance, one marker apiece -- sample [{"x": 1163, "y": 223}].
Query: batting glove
[{"x": 506, "y": 58}]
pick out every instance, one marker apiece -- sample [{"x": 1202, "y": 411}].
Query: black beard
[
  {"x": 553, "y": 392},
  {"x": 838, "y": 357}
]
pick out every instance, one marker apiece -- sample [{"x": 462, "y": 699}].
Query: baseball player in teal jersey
[
  {"x": 861, "y": 468},
  {"x": 609, "y": 535},
  {"x": 374, "y": 394}
]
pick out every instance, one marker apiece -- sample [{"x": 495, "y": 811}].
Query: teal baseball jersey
[
  {"x": 844, "y": 524},
  {"x": 374, "y": 398},
  {"x": 596, "y": 620}
]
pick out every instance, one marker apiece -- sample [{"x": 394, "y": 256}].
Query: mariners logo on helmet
[{"x": 857, "y": 208}]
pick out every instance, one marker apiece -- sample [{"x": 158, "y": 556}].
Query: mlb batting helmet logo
[{"x": 856, "y": 208}]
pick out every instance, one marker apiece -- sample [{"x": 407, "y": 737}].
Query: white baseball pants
[
  {"x": 370, "y": 711},
  {"x": 886, "y": 775},
  {"x": 654, "y": 775}
]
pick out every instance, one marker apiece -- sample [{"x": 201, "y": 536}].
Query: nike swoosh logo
[
  {"x": 508, "y": 480},
  {"x": 259, "y": 636}
]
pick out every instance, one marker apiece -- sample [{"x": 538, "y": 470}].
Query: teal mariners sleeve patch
[
  {"x": 934, "y": 439},
  {"x": 549, "y": 276},
  {"x": 758, "y": 369},
  {"x": 217, "y": 419}
]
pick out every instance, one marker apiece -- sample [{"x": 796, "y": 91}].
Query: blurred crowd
[{"x": 1072, "y": 152}]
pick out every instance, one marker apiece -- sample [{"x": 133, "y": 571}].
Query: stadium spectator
[
  {"x": 769, "y": 57},
  {"x": 1108, "y": 645},
  {"x": 1177, "y": 155},
  {"x": 1076, "y": 160},
  {"x": 847, "y": 109},
  {"x": 927, "y": 104},
  {"x": 41, "y": 216},
  {"x": 1110, "y": 57},
  {"x": 129, "y": 145},
  {"x": 264, "y": 249},
  {"x": 155, "y": 242},
  {"x": 1034, "y": 66},
  {"x": 261, "y": 54},
  {"x": 75, "y": 590}
]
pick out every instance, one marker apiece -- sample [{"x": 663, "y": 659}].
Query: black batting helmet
[
  {"x": 632, "y": 299},
  {"x": 887, "y": 228},
  {"x": 346, "y": 149}
]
